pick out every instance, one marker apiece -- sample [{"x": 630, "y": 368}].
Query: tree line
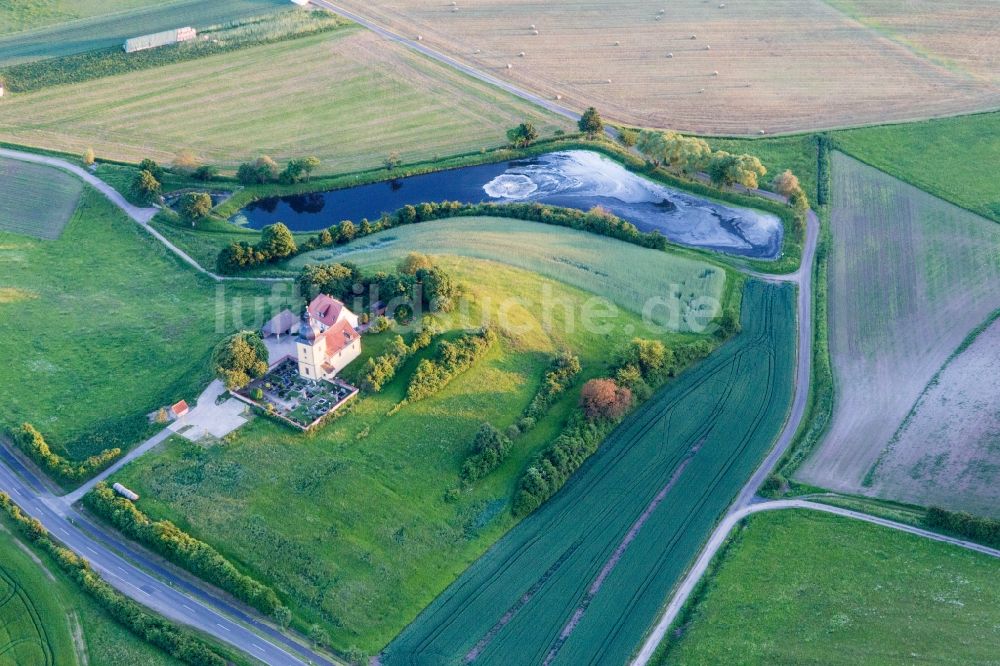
[
  {"x": 181, "y": 548},
  {"x": 243, "y": 255}
]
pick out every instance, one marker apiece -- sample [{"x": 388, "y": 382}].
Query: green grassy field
[
  {"x": 910, "y": 276},
  {"x": 101, "y": 327},
  {"x": 46, "y": 621},
  {"x": 627, "y": 275},
  {"x": 59, "y": 27},
  {"x": 348, "y": 97},
  {"x": 36, "y": 200},
  {"x": 560, "y": 585},
  {"x": 807, "y": 588},
  {"x": 350, "y": 524},
  {"x": 950, "y": 158}
]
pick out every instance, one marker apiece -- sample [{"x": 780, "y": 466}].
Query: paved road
[
  {"x": 689, "y": 583},
  {"x": 145, "y": 580}
]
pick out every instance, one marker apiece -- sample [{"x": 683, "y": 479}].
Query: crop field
[
  {"x": 100, "y": 327},
  {"x": 351, "y": 524},
  {"x": 29, "y": 14},
  {"x": 347, "y": 97},
  {"x": 580, "y": 580},
  {"x": 689, "y": 291},
  {"x": 960, "y": 36},
  {"x": 782, "y": 66},
  {"x": 799, "y": 587},
  {"x": 36, "y": 200},
  {"x": 31, "y": 626},
  {"x": 45, "y": 620},
  {"x": 107, "y": 24},
  {"x": 947, "y": 452},
  {"x": 910, "y": 277},
  {"x": 959, "y": 146}
]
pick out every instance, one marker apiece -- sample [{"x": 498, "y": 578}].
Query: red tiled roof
[
  {"x": 339, "y": 336},
  {"x": 326, "y": 309},
  {"x": 179, "y": 409}
]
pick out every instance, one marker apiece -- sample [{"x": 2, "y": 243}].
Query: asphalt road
[{"x": 132, "y": 573}]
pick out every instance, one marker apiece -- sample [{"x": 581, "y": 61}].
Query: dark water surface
[{"x": 578, "y": 179}]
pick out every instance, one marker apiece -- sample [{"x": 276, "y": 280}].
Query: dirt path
[{"x": 141, "y": 216}]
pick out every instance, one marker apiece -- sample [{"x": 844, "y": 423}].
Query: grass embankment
[
  {"x": 663, "y": 478},
  {"x": 801, "y": 587},
  {"x": 346, "y": 96},
  {"x": 36, "y": 200},
  {"x": 100, "y": 327},
  {"x": 350, "y": 524},
  {"x": 51, "y": 29},
  {"x": 46, "y": 619}
]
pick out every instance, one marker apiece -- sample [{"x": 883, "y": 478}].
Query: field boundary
[{"x": 722, "y": 534}]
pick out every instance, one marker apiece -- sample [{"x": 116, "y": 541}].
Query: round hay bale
[
  {"x": 609, "y": 80},
  {"x": 420, "y": 38},
  {"x": 707, "y": 47},
  {"x": 521, "y": 54},
  {"x": 694, "y": 36},
  {"x": 670, "y": 55},
  {"x": 702, "y": 90},
  {"x": 532, "y": 26},
  {"x": 510, "y": 66},
  {"x": 715, "y": 73},
  {"x": 477, "y": 51},
  {"x": 558, "y": 96},
  {"x": 618, "y": 43},
  {"x": 761, "y": 132},
  {"x": 534, "y": 32}
]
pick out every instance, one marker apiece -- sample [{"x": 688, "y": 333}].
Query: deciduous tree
[
  {"x": 591, "y": 123},
  {"x": 239, "y": 359}
]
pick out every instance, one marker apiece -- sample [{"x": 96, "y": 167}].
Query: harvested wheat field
[
  {"x": 947, "y": 453},
  {"x": 346, "y": 96},
  {"x": 910, "y": 277},
  {"x": 959, "y": 35},
  {"x": 782, "y": 66}
]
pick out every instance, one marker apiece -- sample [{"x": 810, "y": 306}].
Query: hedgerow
[
  {"x": 180, "y": 548},
  {"x": 380, "y": 370},
  {"x": 33, "y": 444},
  {"x": 241, "y": 255},
  {"x": 978, "y": 528},
  {"x": 177, "y": 642},
  {"x": 453, "y": 358}
]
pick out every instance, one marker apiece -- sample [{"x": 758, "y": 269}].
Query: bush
[
  {"x": 489, "y": 449},
  {"x": 180, "y": 548},
  {"x": 603, "y": 399},
  {"x": 33, "y": 444},
  {"x": 175, "y": 641},
  {"x": 146, "y": 187}
]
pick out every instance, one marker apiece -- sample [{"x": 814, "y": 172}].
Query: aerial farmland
[
  {"x": 465, "y": 332},
  {"x": 735, "y": 68}
]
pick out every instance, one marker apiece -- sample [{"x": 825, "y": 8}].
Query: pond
[{"x": 578, "y": 179}]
